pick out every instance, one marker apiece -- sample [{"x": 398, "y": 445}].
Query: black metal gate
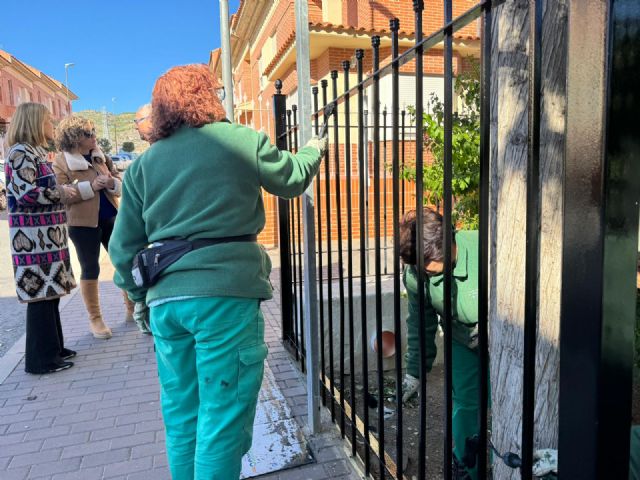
[{"x": 598, "y": 282}]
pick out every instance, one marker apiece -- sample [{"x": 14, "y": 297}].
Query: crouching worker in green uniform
[
  {"x": 201, "y": 180},
  {"x": 466, "y": 367}
]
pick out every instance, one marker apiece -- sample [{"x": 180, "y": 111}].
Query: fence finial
[
  {"x": 294, "y": 108},
  {"x": 334, "y": 73},
  {"x": 394, "y": 24},
  {"x": 324, "y": 82},
  {"x": 375, "y": 41},
  {"x": 314, "y": 89},
  {"x": 418, "y": 5},
  {"x": 359, "y": 54},
  {"x": 278, "y": 85},
  {"x": 346, "y": 65}
]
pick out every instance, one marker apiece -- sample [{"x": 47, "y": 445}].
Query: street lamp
[
  {"x": 66, "y": 83},
  {"x": 115, "y": 127}
]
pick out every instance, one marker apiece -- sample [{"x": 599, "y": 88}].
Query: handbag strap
[{"x": 206, "y": 242}]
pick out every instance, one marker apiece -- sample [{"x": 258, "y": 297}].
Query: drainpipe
[
  {"x": 310, "y": 296},
  {"x": 225, "y": 45}
]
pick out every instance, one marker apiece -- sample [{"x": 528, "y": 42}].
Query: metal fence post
[
  {"x": 599, "y": 239},
  {"x": 310, "y": 303},
  {"x": 286, "y": 296}
]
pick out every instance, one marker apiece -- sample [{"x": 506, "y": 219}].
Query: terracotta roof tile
[
  {"x": 283, "y": 48},
  {"x": 383, "y": 31}
]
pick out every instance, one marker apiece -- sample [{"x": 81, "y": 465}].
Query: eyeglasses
[
  {"x": 89, "y": 133},
  {"x": 138, "y": 121}
]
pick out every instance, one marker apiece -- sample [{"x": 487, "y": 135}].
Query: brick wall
[
  {"x": 368, "y": 14},
  {"x": 15, "y": 90}
]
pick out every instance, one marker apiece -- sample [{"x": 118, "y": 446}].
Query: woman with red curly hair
[{"x": 201, "y": 180}]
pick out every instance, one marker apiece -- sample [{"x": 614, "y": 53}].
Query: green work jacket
[
  {"x": 205, "y": 183},
  {"x": 464, "y": 304}
]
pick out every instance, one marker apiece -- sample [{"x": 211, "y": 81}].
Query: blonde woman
[
  {"x": 38, "y": 235},
  {"x": 92, "y": 213}
]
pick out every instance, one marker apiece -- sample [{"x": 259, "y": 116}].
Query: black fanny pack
[{"x": 151, "y": 261}]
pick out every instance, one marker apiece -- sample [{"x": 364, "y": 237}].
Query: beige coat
[{"x": 72, "y": 169}]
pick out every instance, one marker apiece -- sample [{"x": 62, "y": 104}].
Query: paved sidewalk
[{"x": 101, "y": 418}]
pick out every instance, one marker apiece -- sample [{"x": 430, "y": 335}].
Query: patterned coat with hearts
[{"x": 37, "y": 226}]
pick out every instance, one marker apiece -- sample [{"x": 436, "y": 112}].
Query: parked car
[{"x": 120, "y": 162}]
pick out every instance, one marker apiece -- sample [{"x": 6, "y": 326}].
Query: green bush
[{"x": 466, "y": 150}]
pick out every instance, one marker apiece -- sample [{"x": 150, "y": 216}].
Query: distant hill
[{"x": 124, "y": 127}]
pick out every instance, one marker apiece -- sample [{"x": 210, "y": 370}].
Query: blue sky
[{"x": 119, "y": 47}]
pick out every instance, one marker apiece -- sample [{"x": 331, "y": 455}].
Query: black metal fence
[{"x": 356, "y": 393}]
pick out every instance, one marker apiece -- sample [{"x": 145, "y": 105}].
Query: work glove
[
  {"x": 319, "y": 143},
  {"x": 546, "y": 462},
  {"x": 141, "y": 317}
]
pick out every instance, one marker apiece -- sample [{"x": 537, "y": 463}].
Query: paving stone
[
  {"x": 49, "y": 432},
  {"x": 310, "y": 472},
  {"x": 46, "y": 470},
  {"x": 86, "y": 449},
  {"x": 16, "y": 473},
  {"x": 11, "y": 439},
  {"x": 30, "y": 425},
  {"x": 133, "y": 440},
  {"x": 115, "y": 411},
  {"x": 114, "y": 432},
  {"x": 17, "y": 418},
  {"x": 293, "y": 391},
  {"x": 93, "y": 425},
  {"x": 82, "y": 474},
  {"x": 66, "y": 440},
  {"x": 41, "y": 405},
  {"x": 21, "y": 448},
  {"x": 337, "y": 468},
  {"x": 115, "y": 402},
  {"x": 155, "y": 397},
  {"x": 75, "y": 417},
  {"x": 136, "y": 417},
  {"x": 15, "y": 393},
  {"x": 159, "y": 461},
  {"x": 156, "y": 474},
  {"x": 107, "y": 457},
  {"x": 150, "y": 426},
  {"x": 147, "y": 450},
  {"x": 130, "y": 466},
  {"x": 35, "y": 458}
]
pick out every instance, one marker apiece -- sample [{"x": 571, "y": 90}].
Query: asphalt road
[{"x": 12, "y": 312}]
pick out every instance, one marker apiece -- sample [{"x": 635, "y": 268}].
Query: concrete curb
[{"x": 14, "y": 355}]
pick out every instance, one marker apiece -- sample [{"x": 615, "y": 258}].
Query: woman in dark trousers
[
  {"x": 92, "y": 214},
  {"x": 38, "y": 236}
]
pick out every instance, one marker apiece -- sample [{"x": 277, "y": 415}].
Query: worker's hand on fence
[
  {"x": 546, "y": 462},
  {"x": 321, "y": 144},
  {"x": 141, "y": 317}
]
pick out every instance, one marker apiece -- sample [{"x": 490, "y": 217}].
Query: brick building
[
  {"x": 20, "y": 83},
  {"x": 263, "y": 50}
]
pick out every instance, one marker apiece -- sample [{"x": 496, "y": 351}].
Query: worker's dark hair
[{"x": 432, "y": 237}]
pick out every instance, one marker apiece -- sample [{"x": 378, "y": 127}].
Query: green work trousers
[
  {"x": 210, "y": 353},
  {"x": 465, "y": 386}
]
